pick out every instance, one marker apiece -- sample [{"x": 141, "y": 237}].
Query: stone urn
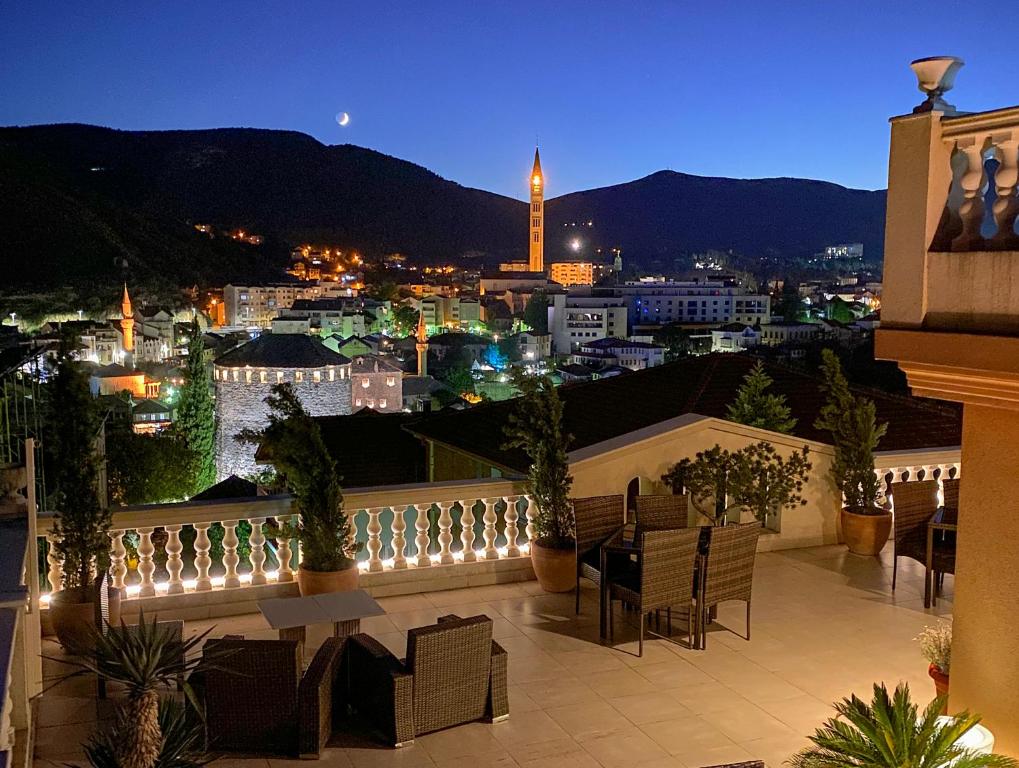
[
  {"x": 866, "y": 531},
  {"x": 935, "y": 76}
]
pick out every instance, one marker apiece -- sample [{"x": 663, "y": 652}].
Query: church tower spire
[
  {"x": 127, "y": 324},
  {"x": 422, "y": 345},
  {"x": 537, "y": 228}
]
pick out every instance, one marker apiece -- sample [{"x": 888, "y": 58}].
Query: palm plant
[
  {"x": 144, "y": 659},
  {"x": 890, "y": 732},
  {"x": 182, "y": 740}
]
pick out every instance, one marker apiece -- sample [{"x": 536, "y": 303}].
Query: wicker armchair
[
  {"x": 951, "y": 504},
  {"x": 596, "y": 519},
  {"x": 454, "y": 674},
  {"x": 728, "y": 570},
  {"x": 256, "y": 701},
  {"x": 665, "y": 579},
  {"x": 661, "y": 513},
  {"x": 914, "y": 504}
]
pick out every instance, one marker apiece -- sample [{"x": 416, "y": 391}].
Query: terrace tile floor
[{"x": 825, "y": 624}]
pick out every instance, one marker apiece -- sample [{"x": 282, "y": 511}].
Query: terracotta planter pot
[
  {"x": 323, "y": 582},
  {"x": 866, "y": 534},
  {"x": 74, "y": 621},
  {"x": 556, "y": 569},
  {"x": 940, "y": 684}
]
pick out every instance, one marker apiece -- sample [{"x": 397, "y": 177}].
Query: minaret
[
  {"x": 127, "y": 324},
  {"x": 422, "y": 345},
  {"x": 537, "y": 244}
]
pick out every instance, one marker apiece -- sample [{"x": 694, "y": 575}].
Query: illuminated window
[
  {"x": 317, "y": 376},
  {"x": 536, "y": 207},
  {"x": 537, "y": 236},
  {"x": 365, "y": 383},
  {"x": 247, "y": 377},
  {"x": 358, "y": 402},
  {"x": 382, "y": 403},
  {"x": 279, "y": 377},
  {"x": 332, "y": 374},
  {"x": 235, "y": 374},
  {"x": 298, "y": 376},
  {"x": 262, "y": 376},
  {"x": 390, "y": 381},
  {"x": 371, "y": 402},
  {"x": 535, "y": 223}
]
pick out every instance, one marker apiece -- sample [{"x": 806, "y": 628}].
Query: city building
[
  {"x": 569, "y": 273},
  {"x": 574, "y": 320},
  {"x": 114, "y": 378},
  {"x": 534, "y": 346},
  {"x": 244, "y": 377},
  {"x": 257, "y": 305},
  {"x": 449, "y": 311},
  {"x": 735, "y": 337},
  {"x": 612, "y": 352},
  {"x": 346, "y": 317},
  {"x": 708, "y": 302},
  {"x": 537, "y": 239},
  {"x": 782, "y": 332},
  {"x": 375, "y": 383}
]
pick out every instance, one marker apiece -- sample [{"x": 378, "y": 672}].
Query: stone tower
[
  {"x": 127, "y": 324},
  {"x": 537, "y": 244},
  {"x": 422, "y": 345}
]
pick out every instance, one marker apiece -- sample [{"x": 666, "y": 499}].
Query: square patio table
[{"x": 344, "y": 610}]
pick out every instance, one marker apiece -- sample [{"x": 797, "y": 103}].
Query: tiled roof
[
  {"x": 114, "y": 370},
  {"x": 232, "y": 487},
  {"x": 599, "y": 410},
  {"x": 282, "y": 350}
]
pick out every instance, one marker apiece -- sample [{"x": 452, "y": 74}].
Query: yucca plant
[
  {"x": 182, "y": 739},
  {"x": 890, "y": 732},
  {"x": 144, "y": 659}
]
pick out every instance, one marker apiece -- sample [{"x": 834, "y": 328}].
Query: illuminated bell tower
[
  {"x": 537, "y": 243},
  {"x": 127, "y": 324},
  {"x": 422, "y": 345}
]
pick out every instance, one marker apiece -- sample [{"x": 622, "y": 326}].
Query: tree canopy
[
  {"x": 196, "y": 415},
  {"x": 756, "y": 407}
]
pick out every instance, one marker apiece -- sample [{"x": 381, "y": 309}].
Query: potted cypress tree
[
  {"x": 852, "y": 422},
  {"x": 82, "y": 524},
  {"x": 293, "y": 444},
  {"x": 537, "y": 428}
]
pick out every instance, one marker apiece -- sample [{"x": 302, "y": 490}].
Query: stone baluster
[
  {"x": 374, "y": 530},
  {"x": 399, "y": 527},
  {"x": 445, "y": 532},
  {"x": 55, "y": 574},
  {"x": 971, "y": 210},
  {"x": 352, "y": 529},
  {"x": 421, "y": 540},
  {"x": 530, "y": 513},
  {"x": 467, "y": 530},
  {"x": 230, "y": 557},
  {"x": 146, "y": 567},
  {"x": 1006, "y": 206},
  {"x": 490, "y": 518},
  {"x": 118, "y": 558},
  {"x": 510, "y": 516},
  {"x": 882, "y": 497},
  {"x": 284, "y": 554},
  {"x": 174, "y": 563},
  {"x": 202, "y": 560},
  {"x": 256, "y": 540}
]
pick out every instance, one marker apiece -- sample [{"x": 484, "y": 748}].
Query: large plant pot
[
  {"x": 323, "y": 582},
  {"x": 73, "y": 618},
  {"x": 866, "y": 534},
  {"x": 940, "y": 684},
  {"x": 555, "y": 569}
]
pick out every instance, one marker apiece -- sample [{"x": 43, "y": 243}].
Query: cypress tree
[
  {"x": 196, "y": 415},
  {"x": 756, "y": 407}
]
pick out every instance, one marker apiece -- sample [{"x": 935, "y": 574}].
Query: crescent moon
[{"x": 343, "y": 118}]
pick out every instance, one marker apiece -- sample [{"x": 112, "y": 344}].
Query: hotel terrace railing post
[{"x": 166, "y": 554}]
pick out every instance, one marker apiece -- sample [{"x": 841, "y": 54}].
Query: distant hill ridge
[{"x": 78, "y": 200}]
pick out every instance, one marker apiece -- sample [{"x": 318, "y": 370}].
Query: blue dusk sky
[{"x": 613, "y": 90}]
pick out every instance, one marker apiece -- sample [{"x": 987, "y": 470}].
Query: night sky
[{"x": 612, "y": 90}]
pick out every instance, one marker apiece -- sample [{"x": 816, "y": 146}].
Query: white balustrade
[
  {"x": 55, "y": 575},
  {"x": 421, "y": 540},
  {"x": 445, "y": 532},
  {"x": 202, "y": 560},
  {"x": 530, "y": 512},
  {"x": 490, "y": 519},
  {"x": 399, "y": 528},
  {"x": 230, "y": 557},
  {"x": 146, "y": 567},
  {"x": 256, "y": 540},
  {"x": 174, "y": 563},
  {"x": 284, "y": 553},
  {"x": 118, "y": 558},
  {"x": 467, "y": 530},
  {"x": 374, "y": 530},
  {"x": 511, "y": 516}
]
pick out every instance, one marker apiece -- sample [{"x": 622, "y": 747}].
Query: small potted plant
[
  {"x": 852, "y": 422},
  {"x": 537, "y": 427},
  {"x": 936, "y": 647},
  {"x": 81, "y": 529},
  {"x": 293, "y": 444},
  {"x": 763, "y": 482},
  {"x": 706, "y": 478}
]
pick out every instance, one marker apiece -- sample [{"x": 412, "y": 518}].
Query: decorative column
[
  {"x": 230, "y": 558},
  {"x": 467, "y": 530},
  {"x": 145, "y": 565},
  {"x": 256, "y": 540},
  {"x": 399, "y": 526},
  {"x": 202, "y": 560},
  {"x": 530, "y": 513},
  {"x": 284, "y": 554},
  {"x": 174, "y": 563},
  {"x": 118, "y": 558},
  {"x": 490, "y": 519},
  {"x": 971, "y": 210},
  {"x": 421, "y": 540},
  {"x": 1006, "y": 206},
  {"x": 511, "y": 516},
  {"x": 374, "y": 530},
  {"x": 445, "y": 532},
  {"x": 55, "y": 575}
]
